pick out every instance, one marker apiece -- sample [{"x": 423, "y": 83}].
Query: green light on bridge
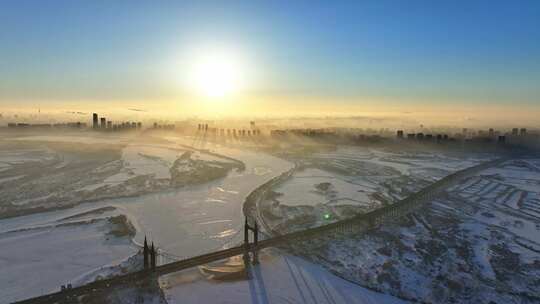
[{"x": 326, "y": 216}]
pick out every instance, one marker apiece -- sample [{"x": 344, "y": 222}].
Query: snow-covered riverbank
[{"x": 280, "y": 278}]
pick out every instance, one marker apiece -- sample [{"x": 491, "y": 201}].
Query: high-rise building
[
  {"x": 400, "y": 134},
  {"x": 95, "y": 121},
  {"x": 515, "y": 132},
  {"x": 109, "y": 124},
  {"x": 103, "y": 122},
  {"x": 522, "y": 132}
]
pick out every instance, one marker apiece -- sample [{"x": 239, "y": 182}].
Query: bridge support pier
[
  {"x": 246, "y": 259},
  {"x": 246, "y": 245},
  {"x": 255, "y": 251}
]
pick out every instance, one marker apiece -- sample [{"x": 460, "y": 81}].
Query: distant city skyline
[{"x": 305, "y": 57}]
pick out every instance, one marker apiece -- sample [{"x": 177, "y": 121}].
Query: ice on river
[
  {"x": 194, "y": 219},
  {"x": 187, "y": 221},
  {"x": 280, "y": 278},
  {"x": 41, "y": 259}
]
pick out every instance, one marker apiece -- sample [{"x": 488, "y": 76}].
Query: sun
[{"x": 216, "y": 75}]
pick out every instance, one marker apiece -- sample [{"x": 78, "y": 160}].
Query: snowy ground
[
  {"x": 37, "y": 259},
  {"x": 280, "y": 278},
  {"x": 478, "y": 243},
  {"x": 334, "y": 185}
]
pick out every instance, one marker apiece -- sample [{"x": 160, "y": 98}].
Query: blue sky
[{"x": 478, "y": 51}]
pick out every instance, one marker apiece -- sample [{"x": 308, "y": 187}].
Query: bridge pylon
[
  {"x": 146, "y": 252},
  {"x": 150, "y": 256},
  {"x": 251, "y": 247},
  {"x": 153, "y": 257}
]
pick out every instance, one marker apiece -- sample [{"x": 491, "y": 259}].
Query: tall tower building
[
  {"x": 522, "y": 132},
  {"x": 95, "y": 121},
  {"x": 515, "y": 132},
  {"x": 103, "y": 122}
]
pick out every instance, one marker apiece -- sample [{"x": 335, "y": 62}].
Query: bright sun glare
[{"x": 216, "y": 75}]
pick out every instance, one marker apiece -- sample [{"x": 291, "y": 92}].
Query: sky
[{"x": 296, "y": 56}]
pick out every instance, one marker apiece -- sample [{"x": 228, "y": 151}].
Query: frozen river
[
  {"x": 189, "y": 220},
  {"x": 199, "y": 219},
  {"x": 183, "y": 222}
]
